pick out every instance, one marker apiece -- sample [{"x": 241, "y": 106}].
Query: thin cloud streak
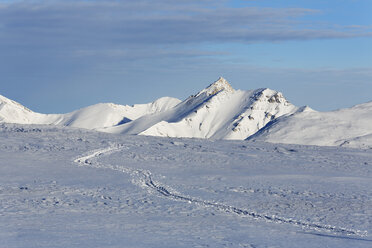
[
  {"x": 97, "y": 24},
  {"x": 93, "y": 51}
]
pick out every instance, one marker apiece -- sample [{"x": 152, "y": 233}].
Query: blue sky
[{"x": 58, "y": 56}]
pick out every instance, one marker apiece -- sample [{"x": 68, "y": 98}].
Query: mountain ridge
[
  {"x": 92, "y": 117},
  {"x": 344, "y": 127},
  {"x": 216, "y": 112}
]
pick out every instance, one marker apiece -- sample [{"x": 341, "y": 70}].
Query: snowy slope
[
  {"x": 95, "y": 116},
  {"x": 13, "y": 112},
  {"x": 109, "y": 114},
  {"x": 346, "y": 127},
  {"x": 217, "y": 112}
]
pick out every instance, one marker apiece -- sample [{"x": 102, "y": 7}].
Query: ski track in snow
[{"x": 143, "y": 178}]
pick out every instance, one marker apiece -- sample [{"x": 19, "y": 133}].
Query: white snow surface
[
  {"x": 69, "y": 187},
  {"x": 346, "y": 127}
]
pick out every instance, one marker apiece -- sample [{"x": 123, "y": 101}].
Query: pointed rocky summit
[{"x": 220, "y": 85}]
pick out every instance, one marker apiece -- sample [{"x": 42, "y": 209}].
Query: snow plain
[{"x": 68, "y": 187}]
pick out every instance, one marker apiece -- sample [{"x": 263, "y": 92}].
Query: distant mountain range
[{"x": 216, "y": 112}]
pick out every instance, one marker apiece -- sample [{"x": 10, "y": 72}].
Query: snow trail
[{"x": 144, "y": 179}]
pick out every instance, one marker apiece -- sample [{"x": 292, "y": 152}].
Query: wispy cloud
[
  {"x": 95, "y": 25},
  {"x": 99, "y": 48}
]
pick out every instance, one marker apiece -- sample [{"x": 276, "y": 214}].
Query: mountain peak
[
  {"x": 305, "y": 109},
  {"x": 269, "y": 95},
  {"x": 220, "y": 85}
]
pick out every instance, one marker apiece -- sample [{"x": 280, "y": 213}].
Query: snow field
[{"x": 64, "y": 187}]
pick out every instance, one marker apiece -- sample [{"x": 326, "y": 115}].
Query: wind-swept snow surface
[
  {"x": 64, "y": 187},
  {"x": 346, "y": 127}
]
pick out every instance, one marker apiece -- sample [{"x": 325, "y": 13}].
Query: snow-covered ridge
[
  {"x": 216, "y": 112},
  {"x": 13, "y": 112},
  {"x": 96, "y": 116},
  {"x": 346, "y": 127}
]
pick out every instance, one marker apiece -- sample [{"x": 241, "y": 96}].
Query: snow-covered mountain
[
  {"x": 346, "y": 127},
  {"x": 217, "y": 112},
  {"x": 96, "y": 116}
]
